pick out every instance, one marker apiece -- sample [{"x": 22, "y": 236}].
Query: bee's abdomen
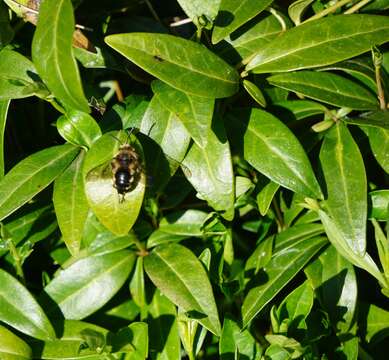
[{"x": 122, "y": 181}]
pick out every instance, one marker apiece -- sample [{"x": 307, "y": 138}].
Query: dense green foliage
[{"x": 195, "y": 179}]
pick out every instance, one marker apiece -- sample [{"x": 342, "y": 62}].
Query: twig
[
  {"x": 356, "y": 7},
  {"x": 180, "y": 22}
]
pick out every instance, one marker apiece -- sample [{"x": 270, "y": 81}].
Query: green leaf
[
  {"x": 287, "y": 261},
  {"x": 301, "y": 109},
  {"x": 105, "y": 242},
  {"x": 181, "y": 277},
  {"x": 321, "y": 42},
  {"x": 78, "y": 128},
  {"x": 198, "y": 8},
  {"x": 74, "y": 289},
  {"x": 251, "y": 39},
  {"x": 296, "y": 307},
  {"x": 188, "y": 223},
  {"x": 233, "y": 14},
  {"x": 115, "y": 214},
  {"x": 163, "y": 329},
  {"x": 326, "y": 87},
  {"x": 266, "y": 196},
  {"x": 32, "y": 175},
  {"x": 195, "y": 112},
  {"x": 12, "y": 347},
  {"x": 183, "y": 64},
  {"x": 379, "y": 204},
  {"x": 3, "y": 120},
  {"x": 382, "y": 247},
  {"x": 297, "y": 9},
  {"x": 260, "y": 256},
  {"x": 334, "y": 281},
  {"x": 345, "y": 177},
  {"x": 166, "y": 143},
  {"x": 137, "y": 285},
  {"x": 376, "y": 322},
  {"x": 19, "y": 309},
  {"x": 71, "y": 206},
  {"x": 211, "y": 171},
  {"x": 18, "y": 77},
  {"x": 53, "y": 55},
  {"x": 379, "y": 119},
  {"x": 379, "y": 143},
  {"x": 254, "y": 92},
  {"x": 272, "y": 149}
]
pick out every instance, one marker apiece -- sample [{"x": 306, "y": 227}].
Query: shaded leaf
[
  {"x": 233, "y": 14},
  {"x": 326, "y": 87},
  {"x": 183, "y": 64},
  {"x": 254, "y": 92},
  {"x": 297, "y": 9},
  {"x": 379, "y": 143},
  {"x": 3, "y": 120},
  {"x": 12, "y": 347}
]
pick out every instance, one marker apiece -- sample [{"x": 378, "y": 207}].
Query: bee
[{"x": 126, "y": 169}]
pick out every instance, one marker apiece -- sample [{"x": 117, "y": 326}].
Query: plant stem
[
  {"x": 380, "y": 90},
  {"x": 56, "y": 106},
  {"x": 279, "y": 217},
  {"x": 356, "y": 7},
  {"x": 18, "y": 261},
  {"x": 329, "y": 10},
  {"x": 153, "y": 12}
]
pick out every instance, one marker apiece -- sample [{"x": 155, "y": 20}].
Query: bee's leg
[{"x": 121, "y": 199}]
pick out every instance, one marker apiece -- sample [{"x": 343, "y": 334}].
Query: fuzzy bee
[{"x": 126, "y": 169}]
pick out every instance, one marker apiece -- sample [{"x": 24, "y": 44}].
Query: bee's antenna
[{"x": 129, "y": 132}]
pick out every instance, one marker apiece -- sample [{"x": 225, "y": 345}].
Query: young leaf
[
  {"x": 78, "y": 128},
  {"x": 211, "y": 171},
  {"x": 254, "y": 92},
  {"x": 379, "y": 205},
  {"x": 183, "y": 64},
  {"x": 19, "y": 309},
  {"x": 137, "y": 285},
  {"x": 286, "y": 262},
  {"x": 71, "y": 206},
  {"x": 272, "y": 149},
  {"x": 12, "y": 347},
  {"x": 297, "y": 9},
  {"x": 334, "y": 281},
  {"x": 18, "y": 77},
  {"x": 116, "y": 214},
  {"x": 345, "y": 178},
  {"x": 233, "y": 14},
  {"x": 74, "y": 289},
  {"x": 4, "y": 104},
  {"x": 163, "y": 329},
  {"x": 32, "y": 175},
  {"x": 177, "y": 272},
  {"x": 326, "y": 87},
  {"x": 53, "y": 55},
  {"x": 321, "y": 42},
  {"x": 195, "y": 112}
]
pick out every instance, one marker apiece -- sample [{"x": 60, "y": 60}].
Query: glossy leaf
[
  {"x": 334, "y": 281},
  {"x": 297, "y": 9},
  {"x": 71, "y": 206},
  {"x": 105, "y": 242},
  {"x": 12, "y": 347},
  {"x": 32, "y": 175},
  {"x": 163, "y": 330},
  {"x": 272, "y": 149},
  {"x": 137, "y": 285},
  {"x": 187, "y": 223},
  {"x": 265, "y": 197},
  {"x": 53, "y": 56},
  {"x": 326, "y": 87},
  {"x": 115, "y": 214},
  {"x": 78, "y": 128},
  {"x": 254, "y": 92},
  {"x": 195, "y": 112},
  {"x": 301, "y": 109},
  {"x": 211, "y": 172},
  {"x": 379, "y": 143},
  {"x": 379, "y": 204},
  {"x": 3, "y": 120},
  {"x": 251, "y": 39},
  {"x": 286, "y": 262},
  {"x": 183, "y": 64},
  {"x": 197, "y": 8},
  {"x": 321, "y": 42},
  {"x": 345, "y": 177},
  {"x": 89, "y": 283},
  {"x": 177, "y": 272},
  {"x": 19, "y": 309},
  {"x": 18, "y": 77},
  {"x": 166, "y": 144},
  {"x": 233, "y": 14},
  {"x": 376, "y": 321},
  {"x": 378, "y": 119}
]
